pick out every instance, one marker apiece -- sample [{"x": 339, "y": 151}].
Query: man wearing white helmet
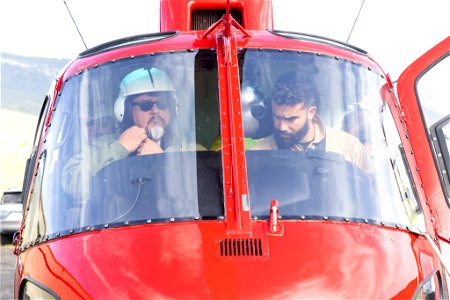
[{"x": 145, "y": 108}]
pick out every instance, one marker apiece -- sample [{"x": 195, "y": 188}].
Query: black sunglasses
[{"x": 148, "y": 105}]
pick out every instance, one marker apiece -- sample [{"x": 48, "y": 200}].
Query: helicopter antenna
[
  {"x": 75, "y": 24},
  {"x": 354, "y": 23}
]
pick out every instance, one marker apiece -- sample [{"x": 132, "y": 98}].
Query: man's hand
[
  {"x": 149, "y": 147},
  {"x": 132, "y": 138}
]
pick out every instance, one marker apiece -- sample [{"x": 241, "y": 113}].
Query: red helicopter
[{"x": 163, "y": 167}]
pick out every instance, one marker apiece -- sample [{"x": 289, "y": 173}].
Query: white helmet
[{"x": 141, "y": 81}]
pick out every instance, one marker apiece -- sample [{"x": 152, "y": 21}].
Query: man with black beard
[{"x": 298, "y": 127}]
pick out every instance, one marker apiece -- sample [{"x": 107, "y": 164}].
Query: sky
[{"x": 394, "y": 32}]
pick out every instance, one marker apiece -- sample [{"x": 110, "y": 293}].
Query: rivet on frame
[
  {"x": 302, "y": 217},
  {"x": 221, "y": 218},
  {"x": 106, "y": 225},
  {"x": 172, "y": 219},
  {"x": 149, "y": 221},
  {"x": 366, "y": 221},
  {"x": 325, "y": 218}
]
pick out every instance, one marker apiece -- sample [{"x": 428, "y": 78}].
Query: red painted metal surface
[
  {"x": 311, "y": 259},
  {"x": 409, "y": 101},
  {"x": 176, "y": 15},
  {"x": 233, "y": 150}
]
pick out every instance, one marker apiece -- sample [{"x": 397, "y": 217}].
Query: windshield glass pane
[
  {"x": 127, "y": 144},
  {"x": 314, "y": 138}
]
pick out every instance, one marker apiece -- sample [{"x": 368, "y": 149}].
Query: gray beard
[{"x": 155, "y": 133}]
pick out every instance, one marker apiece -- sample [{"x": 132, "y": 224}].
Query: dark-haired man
[{"x": 299, "y": 127}]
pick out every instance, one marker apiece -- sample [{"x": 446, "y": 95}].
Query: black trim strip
[
  {"x": 97, "y": 227},
  {"x": 128, "y": 41},
  {"x": 317, "y": 38},
  {"x": 442, "y": 158},
  {"x": 36, "y": 283}
]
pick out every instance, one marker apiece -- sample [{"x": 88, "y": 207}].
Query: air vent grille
[
  {"x": 241, "y": 247},
  {"x": 202, "y": 18}
]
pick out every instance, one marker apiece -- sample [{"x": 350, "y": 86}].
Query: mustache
[{"x": 156, "y": 119}]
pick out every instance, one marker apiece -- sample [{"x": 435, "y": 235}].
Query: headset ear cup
[{"x": 263, "y": 113}]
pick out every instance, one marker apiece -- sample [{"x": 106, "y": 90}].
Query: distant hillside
[{"x": 26, "y": 80}]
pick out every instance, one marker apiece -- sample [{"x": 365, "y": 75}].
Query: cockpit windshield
[
  {"x": 137, "y": 140},
  {"x": 127, "y": 143},
  {"x": 315, "y": 139}
]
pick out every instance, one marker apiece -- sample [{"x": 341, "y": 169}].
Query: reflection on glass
[
  {"x": 318, "y": 143},
  {"x": 127, "y": 143},
  {"x": 434, "y": 92}
]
